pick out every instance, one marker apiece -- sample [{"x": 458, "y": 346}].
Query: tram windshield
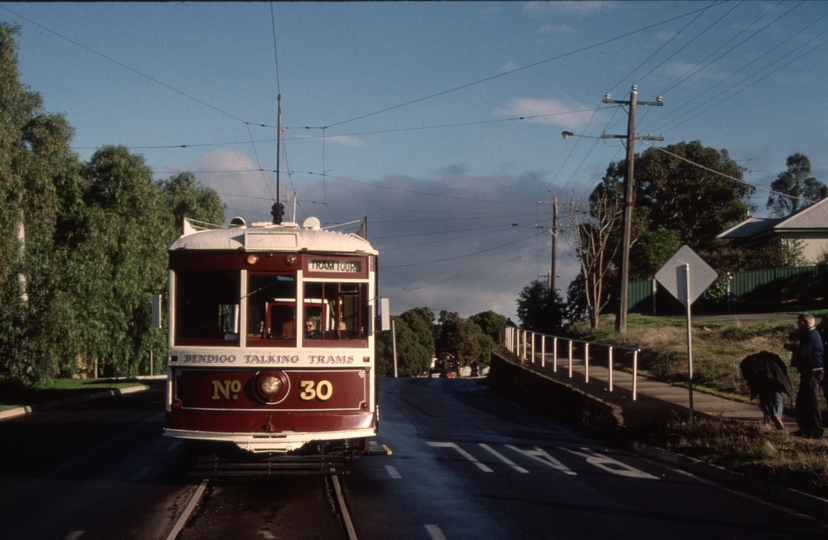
[
  {"x": 338, "y": 311},
  {"x": 207, "y": 305}
]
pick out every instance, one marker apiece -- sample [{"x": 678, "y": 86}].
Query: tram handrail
[{"x": 522, "y": 342}]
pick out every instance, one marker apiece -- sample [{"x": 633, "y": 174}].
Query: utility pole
[
  {"x": 550, "y": 282},
  {"x": 621, "y": 317}
]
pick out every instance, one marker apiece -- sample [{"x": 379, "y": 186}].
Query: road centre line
[
  {"x": 74, "y": 535},
  {"x": 503, "y": 458},
  {"x": 435, "y": 533},
  {"x": 392, "y": 471},
  {"x": 460, "y": 451}
]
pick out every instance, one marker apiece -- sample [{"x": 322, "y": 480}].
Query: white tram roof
[{"x": 265, "y": 236}]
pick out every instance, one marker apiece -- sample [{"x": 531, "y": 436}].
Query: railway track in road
[{"x": 286, "y": 506}]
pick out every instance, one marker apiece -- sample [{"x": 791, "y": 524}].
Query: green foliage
[
  {"x": 184, "y": 197},
  {"x": 413, "y": 357},
  {"x": 492, "y": 324},
  {"x": 673, "y": 188},
  {"x": 539, "y": 310},
  {"x": 461, "y": 342},
  {"x": 82, "y": 245},
  {"x": 793, "y": 187},
  {"x": 652, "y": 251}
]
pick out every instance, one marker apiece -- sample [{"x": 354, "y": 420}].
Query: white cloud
[
  {"x": 345, "y": 140},
  {"x": 556, "y": 29},
  {"x": 564, "y": 113},
  {"x": 543, "y": 9}
]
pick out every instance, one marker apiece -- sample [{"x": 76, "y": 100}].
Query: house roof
[
  {"x": 810, "y": 218},
  {"x": 814, "y": 217},
  {"x": 750, "y": 228}
]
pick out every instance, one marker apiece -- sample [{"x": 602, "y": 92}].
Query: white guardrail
[{"x": 522, "y": 343}]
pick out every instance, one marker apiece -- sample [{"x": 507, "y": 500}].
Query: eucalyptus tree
[
  {"x": 794, "y": 187},
  {"x": 183, "y": 196},
  {"x": 413, "y": 357},
  {"x": 37, "y": 332}
]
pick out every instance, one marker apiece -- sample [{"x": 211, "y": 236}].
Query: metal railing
[{"x": 523, "y": 343}]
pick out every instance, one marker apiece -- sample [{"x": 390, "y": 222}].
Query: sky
[{"x": 441, "y": 122}]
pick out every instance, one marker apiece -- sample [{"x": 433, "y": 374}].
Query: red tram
[{"x": 271, "y": 340}]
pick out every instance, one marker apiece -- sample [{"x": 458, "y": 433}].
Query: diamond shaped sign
[{"x": 672, "y": 275}]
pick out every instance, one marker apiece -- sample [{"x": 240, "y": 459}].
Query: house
[{"x": 808, "y": 226}]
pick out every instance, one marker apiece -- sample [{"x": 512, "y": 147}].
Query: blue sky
[{"x": 440, "y": 121}]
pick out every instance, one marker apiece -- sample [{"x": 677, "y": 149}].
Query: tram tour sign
[{"x": 686, "y": 276}]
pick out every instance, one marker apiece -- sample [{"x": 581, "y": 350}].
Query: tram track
[{"x": 279, "y": 507}]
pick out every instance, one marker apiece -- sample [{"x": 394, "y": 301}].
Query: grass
[
  {"x": 752, "y": 449},
  {"x": 12, "y": 395}
]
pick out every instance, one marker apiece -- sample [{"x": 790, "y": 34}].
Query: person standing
[
  {"x": 808, "y": 359},
  {"x": 767, "y": 377},
  {"x": 823, "y": 331}
]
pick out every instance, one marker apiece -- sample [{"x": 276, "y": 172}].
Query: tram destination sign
[{"x": 343, "y": 267}]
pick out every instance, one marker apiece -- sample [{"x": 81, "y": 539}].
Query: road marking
[
  {"x": 540, "y": 455},
  {"x": 462, "y": 452},
  {"x": 435, "y": 533},
  {"x": 503, "y": 458},
  {"x": 392, "y": 471},
  {"x": 74, "y": 535},
  {"x": 174, "y": 446},
  {"x": 610, "y": 465}
]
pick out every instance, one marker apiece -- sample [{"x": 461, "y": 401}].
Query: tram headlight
[{"x": 272, "y": 386}]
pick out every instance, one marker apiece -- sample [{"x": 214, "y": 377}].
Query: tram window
[
  {"x": 207, "y": 305},
  {"x": 341, "y": 309},
  {"x": 271, "y": 306}
]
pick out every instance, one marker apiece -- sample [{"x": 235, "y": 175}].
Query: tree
[
  {"x": 540, "y": 310},
  {"x": 122, "y": 205},
  {"x": 422, "y": 327},
  {"x": 597, "y": 241},
  {"x": 413, "y": 358},
  {"x": 793, "y": 187},
  {"x": 676, "y": 186},
  {"x": 492, "y": 324},
  {"x": 37, "y": 337},
  {"x": 184, "y": 197},
  {"x": 82, "y": 245},
  {"x": 461, "y": 342}
]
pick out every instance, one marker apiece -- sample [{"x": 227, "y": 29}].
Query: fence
[
  {"x": 755, "y": 290},
  {"x": 522, "y": 342}
]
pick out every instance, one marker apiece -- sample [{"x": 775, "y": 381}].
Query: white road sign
[{"x": 672, "y": 275}]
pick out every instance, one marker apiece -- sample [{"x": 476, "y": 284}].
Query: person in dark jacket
[
  {"x": 808, "y": 359},
  {"x": 823, "y": 331},
  {"x": 767, "y": 377}
]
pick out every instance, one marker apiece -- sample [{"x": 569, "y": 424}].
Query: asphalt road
[
  {"x": 469, "y": 464},
  {"x": 466, "y": 464},
  {"x": 95, "y": 470}
]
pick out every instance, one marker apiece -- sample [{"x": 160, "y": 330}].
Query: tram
[{"x": 271, "y": 338}]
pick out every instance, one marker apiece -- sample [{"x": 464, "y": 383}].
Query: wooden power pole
[{"x": 629, "y": 199}]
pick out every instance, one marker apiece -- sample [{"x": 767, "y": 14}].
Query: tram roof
[{"x": 264, "y": 236}]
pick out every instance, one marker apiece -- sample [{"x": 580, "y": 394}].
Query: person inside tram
[{"x": 311, "y": 332}]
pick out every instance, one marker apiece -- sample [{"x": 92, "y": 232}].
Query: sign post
[{"x": 675, "y": 276}]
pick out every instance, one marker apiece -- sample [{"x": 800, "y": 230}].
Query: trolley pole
[{"x": 629, "y": 199}]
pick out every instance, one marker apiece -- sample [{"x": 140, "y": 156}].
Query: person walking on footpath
[
  {"x": 767, "y": 377},
  {"x": 823, "y": 331},
  {"x": 808, "y": 359}
]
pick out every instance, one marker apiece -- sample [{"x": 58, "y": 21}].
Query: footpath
[{"x": 590, "y": 403}]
